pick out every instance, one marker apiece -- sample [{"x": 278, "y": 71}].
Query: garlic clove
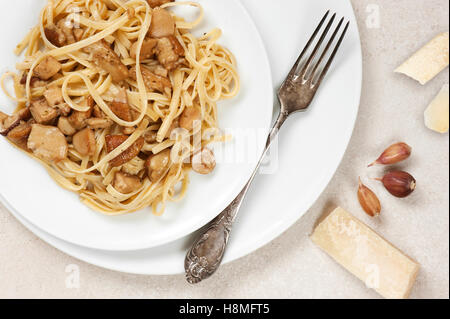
[
  {"x": 368, "y": 200},
  {"x": 394, "y": 154},
  {"x": 398, "y": 183}
]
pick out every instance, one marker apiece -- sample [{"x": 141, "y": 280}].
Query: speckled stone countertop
[{"x": 291, "y": 266}]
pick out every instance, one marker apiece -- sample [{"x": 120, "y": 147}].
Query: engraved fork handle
[{"x": 206, "y": 254}]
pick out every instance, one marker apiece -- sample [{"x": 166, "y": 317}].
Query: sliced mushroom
[
  {"x": 128, "y": 130},
  {"x": 55, "y": 35},
  {"x": 97, "y": 112},
  {"x": 65, "y": 127},
  {"x": 24, "y": 114},
  {"x": 63, "y": 109},
  {"x": 151, "y": 80},
  {"x": 125, "y": 183},
  {"x": 203, "y": 162},
  {"x": 42, "y": 112},
  {"x": 120, "y": 106},
  {"x": 108, "y": 60},
  {"x": 53, "y": 95},
  {"x": 84, "y": 142},
  {"x": 188, "y": 118},
  {"x": 150, "y": 137},
  {"x": 157, "y": 3},
  {"x": 176, "y": 45},
  {"x": 158, "y": 70},
  {"x": 20, "y": 132},
  {"x": 47, "y": 143},
  {"x": 9, "y": 124},
  {"x": 66, "y": 27},
  {"x": 114, "y": 141},
  {"x": 147, "y": 50},
  {"x": 158, "y": 165},
  {"x": 47, "y": 68},
  {"x": 78, "y": 119},
  {"x": 167, "y": 54},
  {"x": 3, "y": 116},
  {"x": 163, "y": 24}
]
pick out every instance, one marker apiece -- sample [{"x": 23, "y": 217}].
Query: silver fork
[{"x": 295, "y": 94}]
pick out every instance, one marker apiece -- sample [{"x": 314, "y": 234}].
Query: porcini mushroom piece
[
  {"x": 47, "y": 143},
  {"x": 84, "y": 142},
  {"x": 108, "y": 60},
  {"x": 125, "y": 183},
  {"x": 47, "y": 68}
]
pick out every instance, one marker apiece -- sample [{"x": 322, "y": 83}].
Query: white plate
[
  {"x": 312, "y": 144},
  {"x": 27, "y": 187}
]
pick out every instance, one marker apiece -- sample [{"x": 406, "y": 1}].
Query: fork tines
[{"x": 308, "y": 70}]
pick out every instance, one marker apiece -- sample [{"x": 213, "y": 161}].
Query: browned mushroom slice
[
  {"x": 108, "y": 60},
  {"x": 151, "y": 80},
  {"x": 158, "y": 165},
  {"x": 66, "y": 27},
  {"x": 99, "y": 123},
  {"x": 147, "y": 50},
  {"x": 35, "y": 81},
  {"x": 24, "y": 114},
  {"x": 3, "y": 117},
  {"x": 125, "y": 183},
  {"x": 157, "y": 3},
  {"x": 53, "y": 95},
  {"x": 55, "y": 35},
  {"x": 97, "y": 112},
  {"x": 8, "y": 123},
  {"x": 167, "y": 55},
  {"x": 63, "y": 109},
  {"x": 120, "y": 106},
  {"x": 47, "y": 68},
  {"x": 47, "y": 143},
  {"x": 84, "y": 142},
  {"x": 20, "y": 133},
  {"x": 42, "y": 112},
  {"x": 78, "y": 33},
  {"x": 203, "y": 162},
  {"x": 114, "y": 141},
  {"x": 176, "y": 45},
  {"x": 65, "y": 126},
  {"x": 163, "y": 24}
]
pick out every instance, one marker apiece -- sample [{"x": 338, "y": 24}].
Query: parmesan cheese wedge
[
  {"x": 437, "y": 113},
  {"x": 426, "y": 63},
  {"x": 366, "y": 254}
]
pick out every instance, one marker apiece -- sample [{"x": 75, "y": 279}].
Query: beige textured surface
[{"x": 291, "y": 266}]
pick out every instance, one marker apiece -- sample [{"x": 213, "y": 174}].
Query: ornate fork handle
[{"x": 207, "y": 252}]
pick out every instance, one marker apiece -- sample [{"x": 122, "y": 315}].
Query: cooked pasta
[{"x": 115, "y": 98}]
